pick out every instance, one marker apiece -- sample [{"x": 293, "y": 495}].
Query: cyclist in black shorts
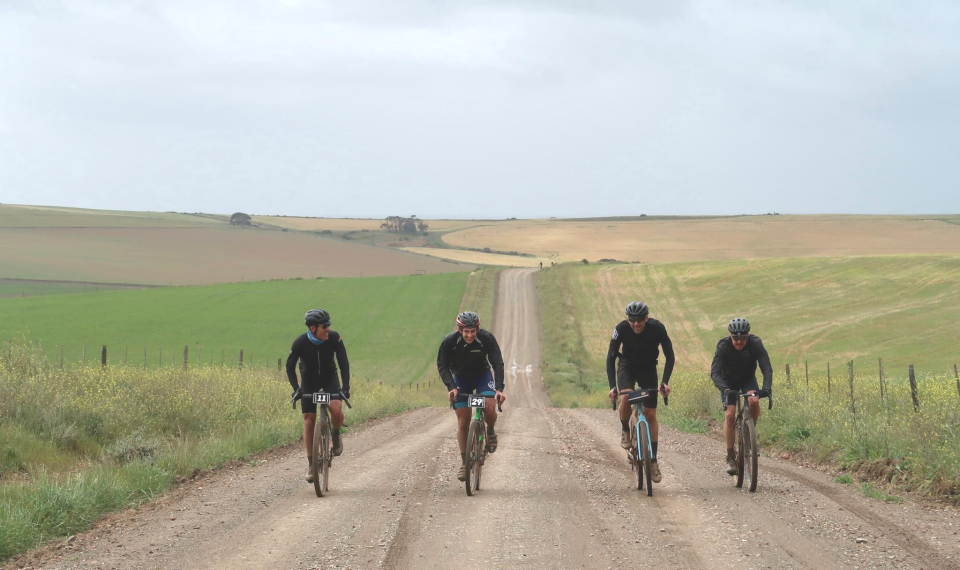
[
  {"x": 735, "y": 368},
  {"x": 464, "y": 361},
  {"x": 641, "y": 339},
  {"x": 315, "y": 350}
]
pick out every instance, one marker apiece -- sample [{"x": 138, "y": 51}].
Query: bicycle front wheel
[
  {"x": 326, "y": 448},
  {"x": 647, "y": 459},
  {"x": 473, "y": 441},
  {"x": 740, "y": 453},
  {"x": 479, "y": 455},
  {"x": 750, "y": 454},
  {"x": 318, "y": 459}
]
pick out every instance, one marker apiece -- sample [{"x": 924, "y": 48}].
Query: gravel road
[{"x": 558, "y": 493}]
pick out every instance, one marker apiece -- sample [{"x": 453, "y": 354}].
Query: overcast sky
[{"x": 460, "y": 108}]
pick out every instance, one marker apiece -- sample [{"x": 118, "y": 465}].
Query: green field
[
  {"x": 25, "y": 288},
  {"x": 53, "y": 217},
  {"x": 838, "y": 310},
  {"x": 79, "y": 442},
  {"x": 901, "y": 308},
  {"x": 383, "y": 320}
]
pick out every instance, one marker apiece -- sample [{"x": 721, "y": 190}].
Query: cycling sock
[
  {"x": 490, "y": 429},
  {"x": 653, "y": 444},
  {"x": 336, "y": 431},
  {"x": 309, "y": 460},
  {"x": 463, "y": 458},
  {"x": 625, "y": 425},
  {"x": 731, "y": 454}
]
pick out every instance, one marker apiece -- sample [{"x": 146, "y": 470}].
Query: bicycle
[
  {"x": 747, "y": 450},
  {"x": 476, "y": 449},
  {"x": 640, "y": 453},
  {"x": 322, "y": 438}
]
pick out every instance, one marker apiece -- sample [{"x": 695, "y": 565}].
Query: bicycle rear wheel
[
  {"x": 750, "y": 454},
  {"x": 647, "y": 461},
  {"x": 471, "y": 453},
  {"x": 740, "y": 450},
  {"x": 318, "y": 459}
]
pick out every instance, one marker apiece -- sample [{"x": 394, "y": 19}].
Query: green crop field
[
  {"x": 26, "y": 288},
  {"x": 380, "y": 319},
  {"x": 83, "y": 441},
  {"x": 52, "y": 217},
  {"x": 837, "y": 310}
]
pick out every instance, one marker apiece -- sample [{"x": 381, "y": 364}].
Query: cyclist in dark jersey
[
  {"x": 637, "y": 342},
  {"x": 315, "y": 350},
  {"x": 464, "y": 361},
  {"x": 735, "y": 368}
]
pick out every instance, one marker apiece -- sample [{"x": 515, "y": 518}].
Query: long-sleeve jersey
[
  {"x": 732, "y": 367},
  {"x": 317, "y": 363},
  {"x": 640, "y": 351},
  {"x": 457, "y": 357}
]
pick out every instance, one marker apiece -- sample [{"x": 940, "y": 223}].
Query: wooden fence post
[
  {"x": 828, "y": 378},
  {"x": 955, "y": 373},
  {"x": 913, "y": 389},
  {"x": 84, "y": 362},
  {"x": 880, "y": 368},
  {"x": 806, "y": 373},
  {"x": 161, "y": 356},
  {"x": 185, "y": 352},
  {"x": 103, "y": 356},
  {"x": 853, "y": 405},
  {"x": 61, "y": 359},
  {"x": 144, "y": 357},
  {"x": 199, "y": 356},
  {"x": 278, "y": 364},
  {"x": 789, "y": 383},
  {"x": 126, "y": 352},
  {"x": 241, "y": 359}
]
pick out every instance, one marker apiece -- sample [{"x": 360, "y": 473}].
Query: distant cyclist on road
[
  {"x": 464, "y": 361},
  {"x": 735, "y": 368},
  {"x": 637, "y": 342},
  {"x": 315, "y": 350}
]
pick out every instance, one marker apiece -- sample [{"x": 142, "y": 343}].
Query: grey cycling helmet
[
  {"x": 739, "y": 325},
  {"x": 637, "y": 310},
  {"x": 316, "y": 317},
  {"x": 468, "y": 319}
]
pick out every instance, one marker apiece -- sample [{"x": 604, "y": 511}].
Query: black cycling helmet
[
  {"x": 468, "y": 319},
  {"x": 739, "y": 325},
  {"x": 637, "y": 310},
  {"x": 316, "y": 317}
]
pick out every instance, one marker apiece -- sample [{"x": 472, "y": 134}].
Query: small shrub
[
  {"x": 844, "y": 479},
  {"x": 584, "y": 261},
  {"x": 132, "y": 447}
]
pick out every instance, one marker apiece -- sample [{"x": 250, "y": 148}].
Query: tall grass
[
  {"x": 80, "y": 442},
  {"x": 882, "y": 438}
]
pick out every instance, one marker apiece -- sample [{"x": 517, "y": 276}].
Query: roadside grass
[
  {"x": 480, "y": 294},
  {"x": 873, "y": 493},
  {"x": 81, "y": 442},
  {"x": 381, "y": 319},
  {"x": 844, "y": 479},
  {"x": 880, "y": 439}
]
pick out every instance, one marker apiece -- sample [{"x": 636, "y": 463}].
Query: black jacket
[
  {"x": 732, "y": 367},
  {"x": 317, "y": 363},
  {"x": 640, "y": 351},
  {"x": 457, "y": 357}
]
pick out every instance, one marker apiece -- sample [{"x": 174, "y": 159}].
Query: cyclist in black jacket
[
  {"x": 464, "y": 361},
  {"x": 641, "y": 339},
  {"x": 315, "y": 350},
  {"x": 735, "y": 368}
]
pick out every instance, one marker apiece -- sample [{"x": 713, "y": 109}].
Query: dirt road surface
[{"x": 557, "y": 494}]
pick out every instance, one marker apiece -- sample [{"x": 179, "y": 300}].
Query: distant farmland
[
  {"x": 667, "y": 240},
  {"x": 392, "y": 325},
  {"x": 175, "y": 249},
  {"x": 901, "y": 308}
]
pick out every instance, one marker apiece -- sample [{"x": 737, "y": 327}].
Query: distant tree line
[{"x": 402, "y": 225}]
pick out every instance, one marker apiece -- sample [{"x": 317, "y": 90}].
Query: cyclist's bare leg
[
  {"x": 651, "y": 415},
  {"x": 309, "y": 422},
  {"x": 463, "y": 426},
  {"x": 490, "y": 412},
  {"x": 336, "y": 413},
  {"x": 624, "y": 408},
  {"x": 754, "y": 409},
  {"x": 729, "y": 431}
]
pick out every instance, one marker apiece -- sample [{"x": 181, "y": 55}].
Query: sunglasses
[
  {"x": 324, "y": 327},
  {"x": 740, "y": 337},
  {"x": 632, "y": 320}
]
